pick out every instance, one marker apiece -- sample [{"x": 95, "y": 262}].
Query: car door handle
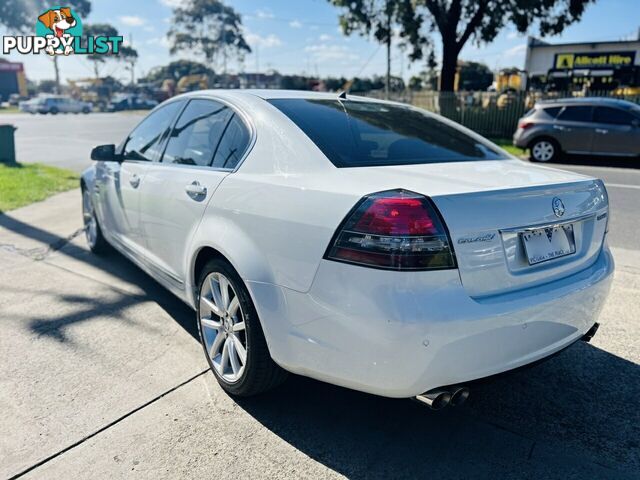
[
  {"x": 134, "y": 180},
  {"x": 559, "y": 127},
  {"x": 195, "y": 189},
  {"x": 602, "y": 131}
]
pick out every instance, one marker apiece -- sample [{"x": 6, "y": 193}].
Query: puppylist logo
[{"x": 59, "y": 32}]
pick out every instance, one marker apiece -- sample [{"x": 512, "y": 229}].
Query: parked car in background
[
  {"x": 55, "y": 104},
  {"x": 15, "y": 99},
  {"x": 364, "y": 243},
  {"x": 130, "y": 102},
  {"x": 591, "y": 126},
  {"x": 28, "y": 106}
]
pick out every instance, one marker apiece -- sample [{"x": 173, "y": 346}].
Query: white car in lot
[
  {"x": 55, "y": 104},
  {"x": 364, "y": 243}
]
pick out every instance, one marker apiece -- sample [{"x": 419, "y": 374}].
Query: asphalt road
[
  {"x": 623, "y": 186},
  {"x": 67, "y": 140}
]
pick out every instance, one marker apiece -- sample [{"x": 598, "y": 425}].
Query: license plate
[{"x": 548, "y": 243}]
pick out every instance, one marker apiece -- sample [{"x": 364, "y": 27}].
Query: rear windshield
[{"x": 365, "y": 134}]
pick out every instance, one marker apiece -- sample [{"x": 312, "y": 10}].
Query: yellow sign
[
  {"x": 564, "y": 61},
  {"x": 570, "y": 61}
]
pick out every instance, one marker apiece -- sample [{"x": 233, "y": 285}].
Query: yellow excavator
[{"x": 91, "y": 90}]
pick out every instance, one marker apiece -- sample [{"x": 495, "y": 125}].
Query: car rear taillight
[
  {"x": 524, "y": 124},
  {"x": 395, "y": 230}
]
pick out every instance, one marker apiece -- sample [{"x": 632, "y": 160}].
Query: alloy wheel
[
  {"x": 89, "y": 218},
  {"x": 223, "y": 328},
  {"x": 543, "y": 151}
]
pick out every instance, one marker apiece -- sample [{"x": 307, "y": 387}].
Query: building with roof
[{"x": 591, "y": 66}]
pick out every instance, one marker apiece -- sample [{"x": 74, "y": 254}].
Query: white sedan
[{"x": 364, "y": 243}]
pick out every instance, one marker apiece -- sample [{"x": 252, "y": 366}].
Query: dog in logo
[{"x": 58, "y": 21}]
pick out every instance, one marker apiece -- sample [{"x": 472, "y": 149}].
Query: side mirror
[{"x": 105, "y": 153}]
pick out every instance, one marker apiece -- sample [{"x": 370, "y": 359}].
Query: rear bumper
[
  {"x": 520, "y": 139},
  {"x": 401, "y": 334}
]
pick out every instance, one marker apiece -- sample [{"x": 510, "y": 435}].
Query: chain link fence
[{"x": 490, "y": 114}]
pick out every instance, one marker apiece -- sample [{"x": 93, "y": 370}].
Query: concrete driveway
[{"x": 102, "y": 376}]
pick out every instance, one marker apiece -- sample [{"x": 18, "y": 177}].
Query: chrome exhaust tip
[
  {"x": 459, "y": 395},
  {"x": 435, "y": 399}
]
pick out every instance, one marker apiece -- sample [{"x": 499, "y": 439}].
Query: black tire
[
  {"x": 260, "y": 373},
  {"x": 96, "y": 241},
  {"x": 544, "y": 150},
  {"x": 85, "y": 110},
  {"x": 53, "y": 111}
]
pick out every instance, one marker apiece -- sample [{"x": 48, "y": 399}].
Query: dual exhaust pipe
[
  {"x": 438, "y": 398},
  {"x": 456, "y": 395}
]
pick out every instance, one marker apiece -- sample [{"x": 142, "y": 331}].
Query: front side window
[
  {"x": 197, "y": 133},
  {"x": 145, "y": 141},
  {"x": 613, "y": 116},
  {"x": 362, "y": 134},
  {"x": 576, "y": 114}
]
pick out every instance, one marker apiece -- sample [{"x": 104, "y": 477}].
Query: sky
[{"x": 303, "y": 37}]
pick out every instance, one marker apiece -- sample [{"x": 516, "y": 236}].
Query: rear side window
[
  {"x": 612, "y": 116},
  {"x": 234, "y": 143},
  {"x": 197, "y": 133},
  {"x": 576, "y": 114},
  {"x": 552, "y": 111},
  {"x": 361, "y": 134}
]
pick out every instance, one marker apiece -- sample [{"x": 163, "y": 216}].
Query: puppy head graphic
[{"x": 58, "y": 20}]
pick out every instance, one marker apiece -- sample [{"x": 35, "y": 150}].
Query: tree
[
  {"x": 97, "y": 30},
  {"x": 295, "y": 82},
  {"x": 126, "y": 53},
  {"x": 209, "y": 28},
  {"x": 47, "y": 86},
  {"x": 129, "y": 55},
  {"x": 334, "y": 84},
  {"x": 379, "y": 18},
  {"x": 176, "y": 70},
  {"x": 474, "y": 76},
  {"x": 19, "y": 16},
  {"x": 459, "y": 21},
  {"x": 415, "y": 83}
]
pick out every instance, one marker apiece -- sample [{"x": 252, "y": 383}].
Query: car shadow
[
  {"x": 573, "y": 416},
  {"x": 112, "y": 263}
]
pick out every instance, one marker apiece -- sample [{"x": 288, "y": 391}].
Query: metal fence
[{"x": 489, "y": 113}]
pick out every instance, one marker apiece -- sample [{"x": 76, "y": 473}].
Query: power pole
[
  {"x": 257, "y": 66},
  {"x": 132, "y": 64},
  {"x": 387, "y": 84},
  {"x": 57, "y": 72}
]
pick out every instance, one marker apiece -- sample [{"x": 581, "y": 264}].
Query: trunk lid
[
  {"x": 486, "y": 205},
  {"x": 487, "y": 230}
]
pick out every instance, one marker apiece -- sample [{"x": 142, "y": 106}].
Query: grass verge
[
  {"x": 508, "y": 145},
  {"x": 10, "y": 110},
  {"x": 25, "y": 183}
]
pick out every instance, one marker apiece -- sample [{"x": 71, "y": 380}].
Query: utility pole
[
  {"x": 57, "y": 72},
  {"x": 132, "y": 63},
  {"x": 257, "y": 66},
  {"x": 387, "y": 84}
]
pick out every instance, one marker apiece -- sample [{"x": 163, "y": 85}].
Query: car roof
[
  {"x": 268, "y": 94},
  {"x": 612, "y": 102}
]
